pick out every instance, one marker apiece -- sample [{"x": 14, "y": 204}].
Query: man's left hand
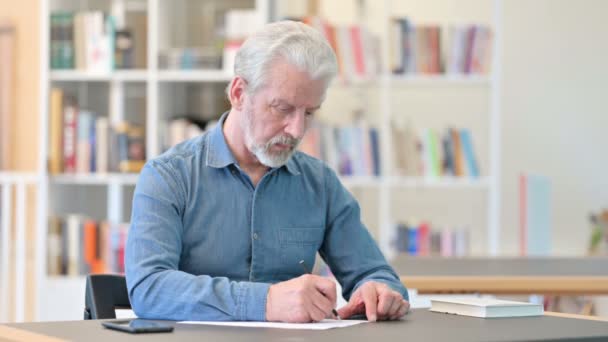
[{"x": 377, "y": 301}]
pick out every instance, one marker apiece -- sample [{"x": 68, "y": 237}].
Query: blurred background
[{"x": 469, "y": 128}]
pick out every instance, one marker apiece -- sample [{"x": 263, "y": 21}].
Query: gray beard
[{"x": 262, "y": 151}]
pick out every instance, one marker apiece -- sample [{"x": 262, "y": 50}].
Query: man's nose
[{"x": 296, "y": 126}]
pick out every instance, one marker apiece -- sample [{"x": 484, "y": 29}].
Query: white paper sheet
[{"x": 323, "y": 325}]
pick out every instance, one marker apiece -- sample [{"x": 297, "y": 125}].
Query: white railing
[{"x": 13, "y": 246}]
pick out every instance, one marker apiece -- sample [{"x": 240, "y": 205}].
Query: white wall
[{"x": 555, "y": 112}]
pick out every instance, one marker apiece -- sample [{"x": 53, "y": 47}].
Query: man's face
[{"x": 276, "y": 117}]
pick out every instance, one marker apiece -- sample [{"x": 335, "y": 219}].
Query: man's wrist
[{"x": 268, "y": 311}]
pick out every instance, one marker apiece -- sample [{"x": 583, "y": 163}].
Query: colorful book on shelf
[
  {"x": 90, "y": 40},
  {"x": 433, "y": 155},
  {"x": 469, "y": 155},
  {"x": 351, "y": 150},
  {"x": 458, "y": 153},
  {"x": 535, "y": 215},
  {"x": 82, "y": 142},
  {"x": 56, "y": 132},
  {"x": 356, "y": 48},
  {"x": 78, "y": 245},
  {"x": 70, "y": 134},
  {"x": 422, "y": 49},
  {"x": 62, "y": 40},
  {"x": 94, "y": 41},
  {"x": 485, "y": 307},
  {"x": 424, "y": 239}
]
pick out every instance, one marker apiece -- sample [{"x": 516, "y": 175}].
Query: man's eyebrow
[
  {"x": 315, "y": 108},
  {"x": 279, "y": 102}
]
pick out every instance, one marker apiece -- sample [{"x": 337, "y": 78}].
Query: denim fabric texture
[{"x": 205, "y": 244}]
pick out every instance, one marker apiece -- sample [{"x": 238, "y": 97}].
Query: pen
[{"x": 303, "y": 264}]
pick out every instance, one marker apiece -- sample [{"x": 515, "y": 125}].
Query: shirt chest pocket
[
  {"x": 297, "y": 244},
  {"x": 311, "y": 237}
]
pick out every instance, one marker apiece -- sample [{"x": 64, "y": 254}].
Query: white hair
[{"x": 299, "y": 44}]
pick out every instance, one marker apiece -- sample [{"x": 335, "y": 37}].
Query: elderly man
[{"x": 221, "y": 222}]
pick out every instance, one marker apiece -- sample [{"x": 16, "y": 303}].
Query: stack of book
[
  {"x": 423, "y": 239},
  {"x": 357, "y": 49},
  {"x": 351, "y": 150},
  {"x": 83, "y": 142},
  {"x": 91, "y": 41},
  {"x": 433, "y": 155},
  {"x": 78, "y": 245},
  {"x": 419, "y": 49}
]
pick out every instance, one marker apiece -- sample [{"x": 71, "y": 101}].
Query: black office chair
[{"x": 104, "y": 293}]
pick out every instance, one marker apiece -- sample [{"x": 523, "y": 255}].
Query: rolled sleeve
[
  {"x": 348, "y": 248},
  {"x": 252, "y": 301}
]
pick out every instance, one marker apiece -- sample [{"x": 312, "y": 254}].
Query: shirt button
[{"x": 255, "y": 236}]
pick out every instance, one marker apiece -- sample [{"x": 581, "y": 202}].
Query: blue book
[
  {"x": 469, "y": 154},
  {"x": 537, "y": 215},
  {"x": 412, "y": 241},
  {"x": 375, "y": 145}
]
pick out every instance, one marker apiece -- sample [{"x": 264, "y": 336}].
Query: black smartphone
[{"x": 137, "y": 326}]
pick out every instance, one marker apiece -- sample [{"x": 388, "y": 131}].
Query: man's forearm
[{"x": 177, "y": 295}]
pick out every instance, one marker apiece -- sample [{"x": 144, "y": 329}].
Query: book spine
[{"x": 70, "y": 122}]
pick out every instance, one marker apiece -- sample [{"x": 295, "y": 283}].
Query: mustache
[{"x": 284, "y": 140}]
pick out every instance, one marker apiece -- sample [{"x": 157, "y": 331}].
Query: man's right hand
[{"x": 308, "y": 298}]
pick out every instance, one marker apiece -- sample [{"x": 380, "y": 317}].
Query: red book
[
  {"x": 522, "y": 215},
  {"x": 469, "y": 49},
  {"x": 424, "y": 239},
  {"x": 70, "y": 125},
  {"x": 355, "y": 35}
]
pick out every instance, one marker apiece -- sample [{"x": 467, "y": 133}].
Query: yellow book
[{"x": 55, "y": 136}]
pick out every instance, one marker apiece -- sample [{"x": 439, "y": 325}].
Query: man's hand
[
  {"x": 308, "y": 298},
  {"x": 377, "y": 301}
]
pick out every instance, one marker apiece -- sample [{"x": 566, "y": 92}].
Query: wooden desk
[
  {"x": 556, "y": 276},
  {"x": 419, "y": 325}
]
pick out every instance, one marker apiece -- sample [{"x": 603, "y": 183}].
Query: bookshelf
[
  {"x": 147, "y": 93},
  {"x": 435, "y": 99},
  {"x": 157, "y": 93}
]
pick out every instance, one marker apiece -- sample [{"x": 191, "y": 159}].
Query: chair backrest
[{"x": 105, "y": 292}]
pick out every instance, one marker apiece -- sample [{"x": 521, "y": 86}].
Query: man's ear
[{"x": 237, "y": 92}]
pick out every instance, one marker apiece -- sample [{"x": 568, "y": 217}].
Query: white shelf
[
  {"x": 18, "y": 177},
  {"x": 96, "y": 179},
  {"x": 64, "y": 280},
  {"x": 416, "y": 182},
  {"x": 439, "y": 80},
  {"x": 84, "y": 76},
  {"x": 442, "y": 182},
  {"x": 219, "y": 76},
  {"x": 417, "y": 80},
  {"x": 360, "y": 181}
]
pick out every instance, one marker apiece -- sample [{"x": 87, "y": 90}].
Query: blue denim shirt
[{"x": 205, "y": 244}]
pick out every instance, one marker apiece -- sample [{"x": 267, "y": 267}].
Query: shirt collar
[{"x": 219, "y": 154}]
